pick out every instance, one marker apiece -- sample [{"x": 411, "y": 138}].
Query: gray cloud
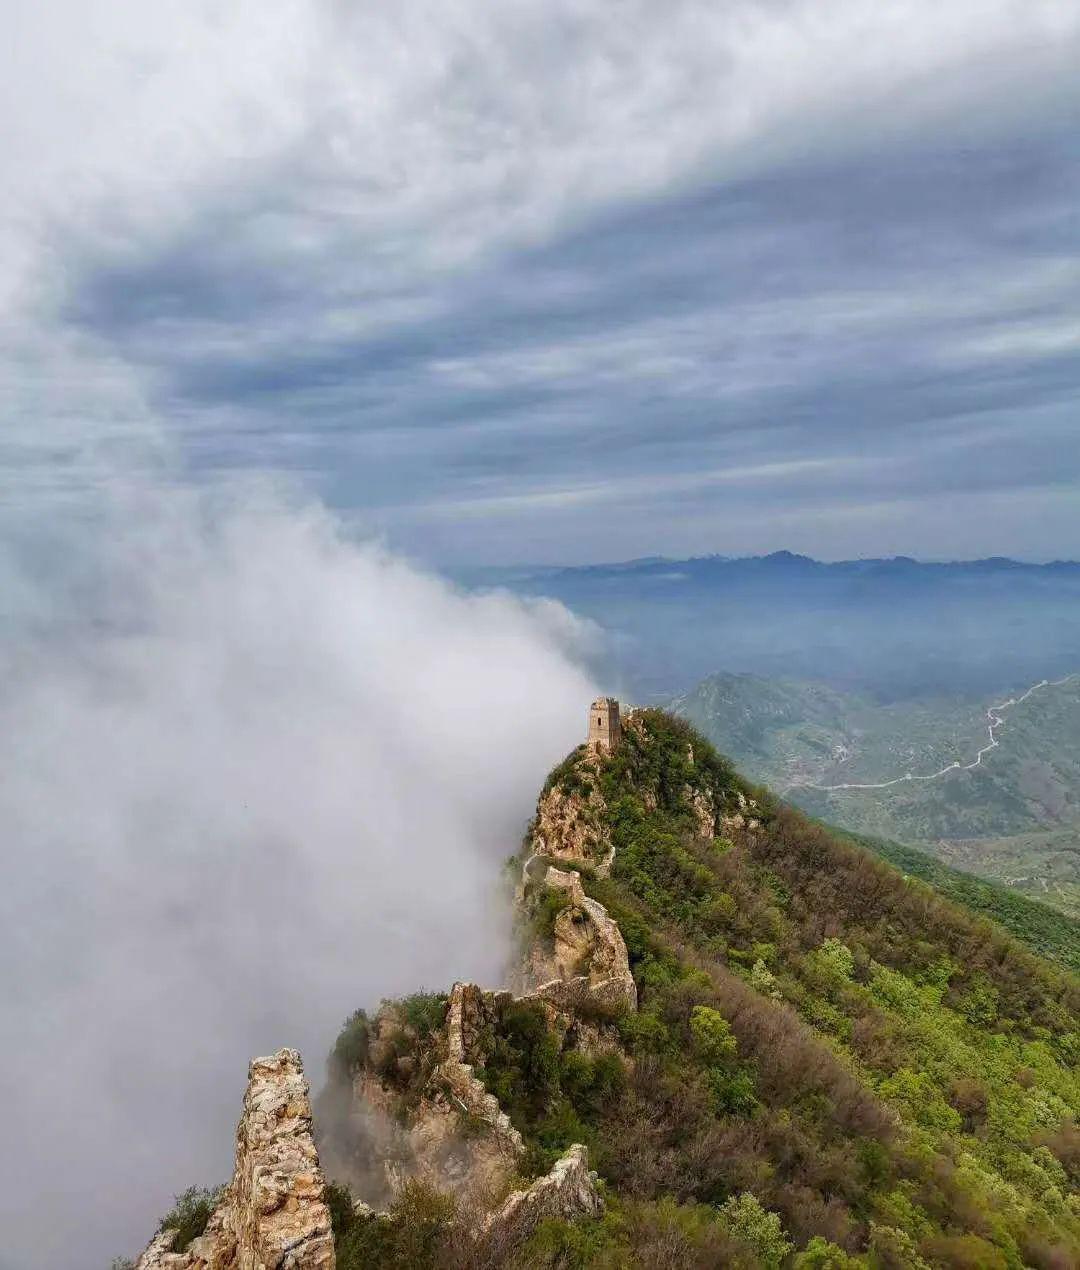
[
  {"x": 442, "y": 253},
  {"x": 855, "y": 333}
]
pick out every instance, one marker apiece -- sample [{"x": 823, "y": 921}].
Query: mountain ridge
[
  {"x": 776, "y": 970},
  {"x": 731, "y": 1037}
]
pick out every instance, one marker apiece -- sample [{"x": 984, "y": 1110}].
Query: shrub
[
  {"x": 711, "y": 1036},
  {"x": 424, "y": 1012},
  {"x": 190, "y": 1214},
  {"x": 763, "y": 980},
  {"x": 351, "y": 1047},
  {"x": 758, "y": 1229},
  {"x": 546, "y": 909},
  {"x": 414, "y": 1235},
  {"x": 732, "y": 1092},
  {"x": 820, "y": 1254}
]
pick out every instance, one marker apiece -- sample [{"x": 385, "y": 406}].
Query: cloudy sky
[{"x": 553, "y": 279}]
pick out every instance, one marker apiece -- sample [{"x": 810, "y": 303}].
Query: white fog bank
[{"x": 270, "y": 777}]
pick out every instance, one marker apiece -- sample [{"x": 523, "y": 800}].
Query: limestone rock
[
  {"x": 704, "y": 810},
  {"x": 158, "y": 1254},
  {"x": 570, "y": 826},
  {"x": 278, "y": 1190},
  {"x": 589, "y": 945},
  {"x": 747, "y": 817}
]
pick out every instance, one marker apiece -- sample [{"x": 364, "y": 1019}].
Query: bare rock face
[
  {"x": 278, "y": 1190},
  {"x": 567, "y": 1192},
  {"x": 589, "y": 945},
  {"x": 273, "y": 1215},
  {"x": 747, "y": 817},
  {"x": 569, "y": 825},
  {"x": 704, "y": 810}
]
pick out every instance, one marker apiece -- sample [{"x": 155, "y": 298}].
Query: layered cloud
[{"x": 450, "y": 262}]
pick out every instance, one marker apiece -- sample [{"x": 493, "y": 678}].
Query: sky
[{"x": 547, "y": 281}]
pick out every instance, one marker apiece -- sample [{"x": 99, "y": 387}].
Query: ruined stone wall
[
  {"x": 273, "y": 1214},
  {"x": 587, "y": 945}
]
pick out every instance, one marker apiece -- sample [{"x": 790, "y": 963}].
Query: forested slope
[{"x": 828, "y": 1065}]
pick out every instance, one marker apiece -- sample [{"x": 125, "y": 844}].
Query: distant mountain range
[{"x": 894, "y": 629}]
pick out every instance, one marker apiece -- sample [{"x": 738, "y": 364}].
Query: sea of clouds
[{"x": 267, "y": 776}]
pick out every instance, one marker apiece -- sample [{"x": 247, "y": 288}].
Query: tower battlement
[{"x": 605, "y": 728}]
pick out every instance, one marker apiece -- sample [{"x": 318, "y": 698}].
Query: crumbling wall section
[{"x": 273, "y": 1214}]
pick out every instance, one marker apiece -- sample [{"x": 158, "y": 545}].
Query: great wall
[{"x": 273, "y": 1215}]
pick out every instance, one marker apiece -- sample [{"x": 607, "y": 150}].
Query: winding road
[{"x": 995, "y": 719}]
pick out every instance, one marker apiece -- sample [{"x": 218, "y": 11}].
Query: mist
[{"x": 252, "y": 776}]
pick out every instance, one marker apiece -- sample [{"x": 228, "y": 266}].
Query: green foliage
[
  {"x": 569, "y": 776},
  {"x": 764, "y": 981},
  {"x": 711, "y": 1036},
  {"x": 562, "y": 1245},
  {"x": 834, "y": 962},
  {"x": 339, "y": 1201},
  {"x": 521, "y": 1064},
  {"x": 546, "y": 908},
  {"x": 928, "y": 1012},
  {"x": 635, "y": 1235},
  {"x": 893, "y": 1249},
  {"x": 417, "y": 1234},
  {"x": 408, "y": 1046},
  {"x": 553, "y": 1096},
  {"x": 758, "y": 1229},
  {"x": 979, "y": 1004},
  {"x": 1049, "y": 932},
  {"x": 820, "y": 1254},
  {"x": 351, "y": 1047},
  {"x": 732, "y": 1091},
  {"x": 190, "y": 1214},
  {"x": 424, "y": 1012}
]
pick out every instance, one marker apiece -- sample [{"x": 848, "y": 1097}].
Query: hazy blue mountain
[{"x": 893, "y": 629}]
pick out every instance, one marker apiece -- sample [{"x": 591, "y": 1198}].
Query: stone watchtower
[{"x": 604, "y": 727}]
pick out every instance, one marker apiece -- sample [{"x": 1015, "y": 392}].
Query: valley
[{"x": 990, "y": 789}]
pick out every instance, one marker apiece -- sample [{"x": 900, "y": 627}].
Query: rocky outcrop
[
  {"x": 451, "y": 1131},
  {"x": 424, "y": 1114},
  {"x": 569, "y": 823},
  {"x": 273, "y": 1214},
  {"x": 567, "y": 1192},
  {"x": 704, "y": 809},
  {"x": 748, "y": 816},
  {"x": 278, "y": 1190},
  {"x": 586, "y": 945},
  {"x": 471, "y": 1011}
]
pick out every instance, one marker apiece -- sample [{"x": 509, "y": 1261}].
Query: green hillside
[
  {"x": 1042, "y": 928},
  {"x": 1014, "y": 819},
  {"x": 829, "y": 1064}
]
